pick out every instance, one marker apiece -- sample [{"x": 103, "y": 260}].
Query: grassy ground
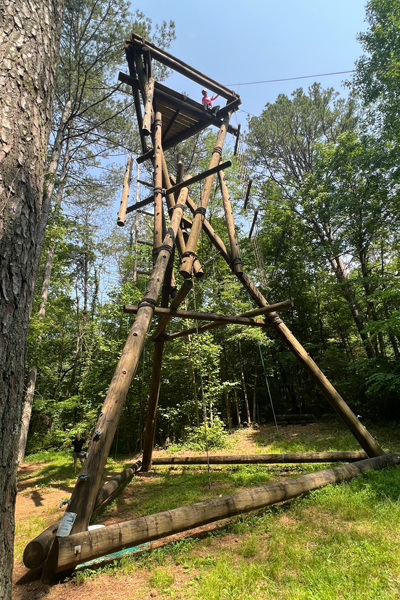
[{"x": 340, "y": 542}]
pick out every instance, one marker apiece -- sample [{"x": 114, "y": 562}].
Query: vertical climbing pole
[
  {"x": 158, "y": 208},
  {"x": 190, "y": 255}
]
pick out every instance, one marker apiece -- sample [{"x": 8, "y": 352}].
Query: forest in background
[{"x": 325, "y": 173}]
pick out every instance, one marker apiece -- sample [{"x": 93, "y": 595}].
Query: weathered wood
[
  {"x": 38, "y": 548},
  {"x": 253, "y": 223},
  {"x": 263, "y": 459},
  {"x": 170, "y": 199},
  {"x": 135, "y": 92},
  {"x": 215, "y": 325},
  {"x": 184, "y": 290},
  {"x": 170, "y": 124},
  {"x": 125, "y": 192},
  {"x": 139, "y": 204},
  {"x": 84, "y": 494},
  {"x": 247, "y": 193},
  {"x": 80, "y": 547},
  {"x": 188, "y": 182},
  {"x": 158, "y": 208},
  {"x": 237, "y": 266},
  {"x": 199, "y": 316},
  {"x": 148, "y": 107},
  {"x": 143, "y": 243},
  {"x": 181, "y": 67},
  {"x": 188, "y": 258}
]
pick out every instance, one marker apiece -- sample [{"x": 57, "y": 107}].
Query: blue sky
[{"x": 239, "y": 42}]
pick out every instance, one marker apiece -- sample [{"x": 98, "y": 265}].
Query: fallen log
[
  {"x": 37, "y": 549},
  {"x": 80, "y": 547},
  {"x": 260, "y": 459}
]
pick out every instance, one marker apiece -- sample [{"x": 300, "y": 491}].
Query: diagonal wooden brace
[
  {"x": 189, "y": 256},
  {"x": 176, "y": 302}
]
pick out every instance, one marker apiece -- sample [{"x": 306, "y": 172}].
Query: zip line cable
[{"x": 310, "y": 76}]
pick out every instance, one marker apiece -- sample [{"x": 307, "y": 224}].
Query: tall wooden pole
[
  {"x": 180, "y": 242},
  {"x": 157, "y": 185},
  {"x": 154, "y": 393},
  {"x": 125, "y": 192},
  {"x": 189, "y": 256},
  {"x": 236, "y": 263},
  {"x": 84, "y": 494}
]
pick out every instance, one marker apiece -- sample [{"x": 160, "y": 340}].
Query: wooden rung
[
  {"x": 190, "y": 314},
  {"x": 253, "y": 224},
  {"x": 247, "y": 194},
  {"x": 143, "y": 243},
  {"x": 144, "y": 202},
  {"x": 237, "y": 140},
  {"x": 146, "y": 183}
]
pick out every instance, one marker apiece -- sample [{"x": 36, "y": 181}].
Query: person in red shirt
[{"x": 206, "y": 102}]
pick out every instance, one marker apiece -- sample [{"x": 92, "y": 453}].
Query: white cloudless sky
[{"x": 240, "y": 41}]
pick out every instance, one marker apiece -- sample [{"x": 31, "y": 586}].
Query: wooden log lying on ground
[
  {"x": 77, "y": 548},
  {"x": 37, "y": 549},
  {"x": 263, "y": 459}
]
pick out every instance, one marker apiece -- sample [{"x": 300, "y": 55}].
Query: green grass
[{"x": 340, "y": 542}]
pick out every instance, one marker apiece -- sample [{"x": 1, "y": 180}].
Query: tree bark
[
  {"x": 246, "y": 400},
  {"x": 28, "y": 59},
  {"x": 26, "y": 414}
]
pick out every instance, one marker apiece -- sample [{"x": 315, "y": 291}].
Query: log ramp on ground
[{"x": 80, "y": 547}]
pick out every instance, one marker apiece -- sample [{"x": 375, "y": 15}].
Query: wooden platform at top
[{"x": 182, "y": 117}]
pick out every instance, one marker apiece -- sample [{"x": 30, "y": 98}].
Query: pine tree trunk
[
  {"x": 26, "y": 414},
  {"x": 28, "y": 58}
]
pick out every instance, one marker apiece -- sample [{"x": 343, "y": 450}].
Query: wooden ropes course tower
[{"x": 169, "y": 118}]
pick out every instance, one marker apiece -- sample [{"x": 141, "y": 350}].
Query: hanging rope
[
  {"x": 269, "y": 391},
  {"x": 203, "y": 399}
]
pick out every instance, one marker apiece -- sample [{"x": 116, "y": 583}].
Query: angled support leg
[
  {"x": 364, "y": 438},
  {"x": 199, "y": 215}
]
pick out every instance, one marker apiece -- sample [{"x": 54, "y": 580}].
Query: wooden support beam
[
  {"x": 144, "y": 212},
  {"x": 247, "y": 193},
  {"x": 236, "y": 264},
  {"x": 143, "y": 243},
  {"x": 148, "y": 107},
  {"x": 263, "y": 459},
  {"x": 140, "y": 204},
  {"x": 135, "y": 92},
  {"x": 187, "y": 285},
  {"x": 188, "y": 182},
  {"x": 181, "y": 67},
  {"x": 146, "y": 183},
  {"x": 253, "y": 223},
  {"x": 170, "y": 199},
  {"x": 189, "y": 256},
  {"x": 37, "y": 550},
  {"x": 252, "y": 313},
  {"x": 125, "y": 192},
  {"x": 170, "y": 124},
  {"x": 75, "y": 549},
  {"x": 84, "y": 494},
  {"x": 158, "y": 209},
  {"x": 237, "y": 140},
  {"x": 198, "y": 316}
]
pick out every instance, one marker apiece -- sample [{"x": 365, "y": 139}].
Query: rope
[
  {"x": 269, "y": 391},
  {"x": 203, "y": 400}
]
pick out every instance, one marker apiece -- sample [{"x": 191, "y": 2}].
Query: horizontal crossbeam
[
  {"x": 197, "y": 316},
  {"x": 188, "y": 182}
]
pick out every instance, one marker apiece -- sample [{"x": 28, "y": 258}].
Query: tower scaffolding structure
[{"x": 166, "y": 118}]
